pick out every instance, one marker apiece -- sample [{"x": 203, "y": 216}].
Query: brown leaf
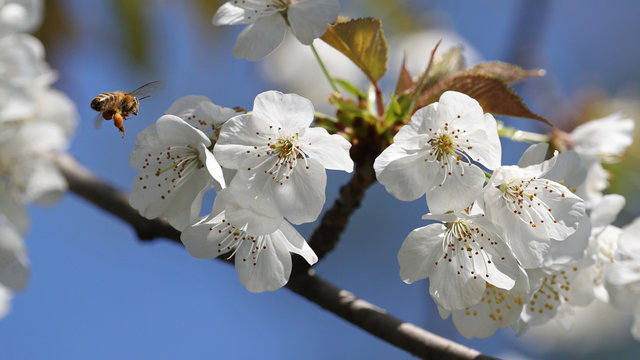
[
  {"x": 405, "y": 81},
  {"x": 494, "y": 95}
]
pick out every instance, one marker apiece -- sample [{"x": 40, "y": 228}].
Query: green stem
[
  {"x": 521, "y": 135},
  {"x": 324, "y": 69}
]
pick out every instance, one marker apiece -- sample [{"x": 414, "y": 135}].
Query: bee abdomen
[{"x": 99, "y": 101}]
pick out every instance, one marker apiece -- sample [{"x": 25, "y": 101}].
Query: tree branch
[{"x": 344, "y": 304}]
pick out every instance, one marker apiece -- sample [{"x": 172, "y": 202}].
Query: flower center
[
  {"x": 232, "y": 237},
  {"x": 521, "y": 196}
]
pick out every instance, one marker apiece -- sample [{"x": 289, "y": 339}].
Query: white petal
[
  {"x": 301, "y": 197},
  {"x": 309, "y": 18},
  {"x": 535, "y": 154},
  {"x": 406, "y": 176},
  {"x": 420, "y": 251},
  {"x": 271, "y": 269},
  {"x": 290, "y": 111},
  {"x": 229, "y": 14},
  {"x": 200, "y": 240},
  {"x": 242, "y": 209},
  {"x": 296, "y": 243},
  {"x": 485, "y": 147},
  {"x": 212, "y": 166},
  {"x": 454, "y": 290},
  {"x": 332, "y": 151},
  {"x": 461, "y": 187},
  {"x": 239, "y": 135},
  {"x": 629, "y": 241},
  {"x": 185, "y": 204},
  {"x": 260, "y": 38},
  {"x": 172, "y": 130},
  {"x": 200, "y": 112},
  {"x": 41, "y": 181},
  {"x": 607, "y": 209},
  {"x": 14, "y": 266},
  {"x": 13, "y": 210}
]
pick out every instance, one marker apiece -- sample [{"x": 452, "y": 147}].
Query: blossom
[
  {"x": 281, "y": 162},
  {"x": 308, "y": 20},
  {"x": 597, "y": 141},
  {"x": 175, "y": 168},
  {"x": 498, "y": 308},
  {"x": 532, "y": 211},
  {"x": 435, "y": 151},
  {"x": 622, "y": 277},
  {"x": 199, "y": 112},
  {"x": 459, "y": 256},
  {"x": 14, "y": 266},
  {"x": 20, "y": 15},
  {"x": 262, "y": 261}
]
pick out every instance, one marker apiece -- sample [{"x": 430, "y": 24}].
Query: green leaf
[
  {"x": 493, "y": 94},
  {"x": 362, "y": 41},
  {"x": 351, "y": 88},
  {"x": 508, "y": 73}
]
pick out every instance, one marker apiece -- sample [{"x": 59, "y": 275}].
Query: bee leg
[{"x": 117, "y": 121}]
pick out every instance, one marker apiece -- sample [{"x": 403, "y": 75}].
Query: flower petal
[
  {"x": 405, "y": 176},
  {"x": 172, "y": 130},
  {"x": 309, "y": 18},
  {"x": 420, "y": 251},
  {"x": 271, "y": 270},
  {"x": 332, "y": 151},
  {"x": 461, "y": 187},
  {"x": 289, "y": 111},
  {"x": 260, "y": 38},
  {"x": 301, "y": 197}
]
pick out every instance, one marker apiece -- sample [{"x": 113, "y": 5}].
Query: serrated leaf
[
  {"x": 405, "y": 81},
  {"x": 508, "y": 73},
  {"x": 494, "y": 95},
  {"x": 362, "y": 41}
]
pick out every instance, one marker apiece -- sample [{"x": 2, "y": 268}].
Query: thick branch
[{"x": 344, "y": 304}]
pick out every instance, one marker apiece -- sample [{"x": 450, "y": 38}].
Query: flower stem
[
  {"x": 521, "y": 135},
  {"x": 324, "y": 69}
]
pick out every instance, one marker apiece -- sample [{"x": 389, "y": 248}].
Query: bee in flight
[{"x": 118, "y": 105}]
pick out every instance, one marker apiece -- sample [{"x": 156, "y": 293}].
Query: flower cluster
[
  {"x": 35, "y": 120},
  {"x": 267, "y": 166},
  {"x": 509, "y": 248}
]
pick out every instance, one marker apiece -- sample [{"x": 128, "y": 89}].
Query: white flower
[
  {"x": 498, "y": 308},
  {"x": 606, "y": 138},
  {"x": 14, "y": 266},
  {"x": 269, "y": 19},
  {"x": 199, "y": 112},
  {"x": 22, "y": 62},
  {"x": 459, "y": 257},
  {"x": 20, "y": 15},
  {"x": 531, "y": 210},
  {"x": 433, "y": 154},
  {"x": 175, "y": 168},
  {"x": 622, "y": 278},
  {"x": 552, "y": 291},
  {"x": 263, "y": 261},
  {"x": 280, "y": 160},
  {"x": 598, "y": 141}
]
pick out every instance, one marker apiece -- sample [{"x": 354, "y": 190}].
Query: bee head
[{"x": 95, "y": 104}]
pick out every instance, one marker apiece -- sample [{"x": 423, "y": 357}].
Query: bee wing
[
  {"x": 148, "y": 90},
  {"x": 98, "y": 121}
]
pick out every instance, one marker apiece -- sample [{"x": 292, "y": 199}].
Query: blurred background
[{"x": 97, "y": 292}]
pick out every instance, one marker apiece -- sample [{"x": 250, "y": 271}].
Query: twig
[{"x": 344, "y": 304}]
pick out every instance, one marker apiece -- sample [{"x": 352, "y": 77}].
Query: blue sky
[{"x": 96, "y": 292}]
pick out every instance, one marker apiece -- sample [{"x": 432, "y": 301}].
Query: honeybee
[{"x": 118, "y": 105}]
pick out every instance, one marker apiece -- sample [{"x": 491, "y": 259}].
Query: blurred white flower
[
  {"x": 14, "y": 266},
  {"x": 281, "y": 162},
  {"x": 269, "y": 19},
  {"x": 435, "y": 154},
  {"x": 22, "y": 62},
  {"x": 622, "y": 277},
  {"x": 175, "y": 168},
  {"x": 20, "y": 15}
]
